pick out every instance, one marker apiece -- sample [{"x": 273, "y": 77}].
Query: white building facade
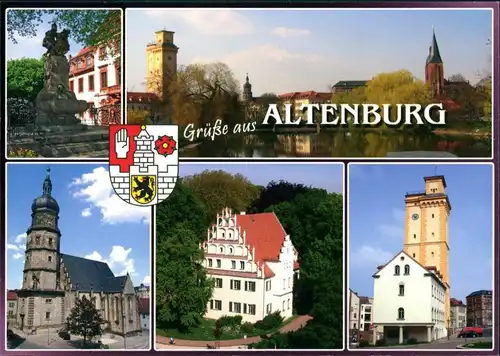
[
  {"x": 409, "y": 301},
  {"x": 95, "y": 76},
  {"x": 253, "y": 262},
  {"x": 353, "y": 310},
  {"x": 365, "y": 314}
]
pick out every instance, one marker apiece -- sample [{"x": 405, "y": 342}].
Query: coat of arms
[{"x": 143, "y": 162}]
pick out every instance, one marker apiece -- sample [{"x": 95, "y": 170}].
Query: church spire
[
  {"x": 47, "y": 184},
  {"x": 434, "y": 55}
]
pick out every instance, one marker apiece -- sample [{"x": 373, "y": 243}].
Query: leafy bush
[
  {"x": 381, "y": 342},
  {"x": 20, "y": 112},
  {"x": 412, "y": 341},
  {"x": 23, "y": 152},
  {"x": 246, "y": 328},
  {"x": 269, "y": 322},
  {"x": 227, "y": 321},
  {"x": 364, "y": 343}
]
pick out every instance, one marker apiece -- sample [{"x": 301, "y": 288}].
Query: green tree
[
  {"x": 314, "y": 220},
  {"x": 275, "y": 193},
  {"x": 219, "y": 189},
  {"x": 182, "y": 287},
  {"x": 24, "y": 78},
  {"x": 88, "y": 27},
  {"x": 85, "y": 320}
]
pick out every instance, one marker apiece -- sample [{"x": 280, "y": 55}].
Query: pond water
[{"x": 336, "y": 144}]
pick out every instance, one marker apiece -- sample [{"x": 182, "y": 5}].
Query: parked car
[
  {"x": 467, "y": 334},
  {"x": 478, "y": 331}
]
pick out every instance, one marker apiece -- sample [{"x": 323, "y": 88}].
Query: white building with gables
[
  {"x": 409, "y": 301},
  {"x": 253, "y": 262}
]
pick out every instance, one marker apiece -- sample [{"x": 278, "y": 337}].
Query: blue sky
[
  {"x": 31, "y": 47},
  {"x": 285, "y": 51},
  {"x": 376, "y": 229},
  {"x": 94, "y": 222},
  {"x": 325, "y": 176}
]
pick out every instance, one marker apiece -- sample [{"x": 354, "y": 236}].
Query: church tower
[
  {"x": 247, "y": 90},
  {"x": 161, "y": 63},
  {"x": 426, "y": 229},
  {"x": 434, "y": 71},
  {"x": 41, "y": 283}
]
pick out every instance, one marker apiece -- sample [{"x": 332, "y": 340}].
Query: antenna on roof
[{"x": 435, "y": 170}]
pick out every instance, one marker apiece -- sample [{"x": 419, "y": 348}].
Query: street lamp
[{"x": 22, "y": 321}]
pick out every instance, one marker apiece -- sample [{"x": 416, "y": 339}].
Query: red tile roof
[
  {"x": 265, "y": 233},
  {"x": 144, "y": 306},
  {"x": 454, "y": 301},
  {"x": 141, "y": 97},
  {"x": 311, "y": 94},
  {"x": 11, "y": 295}
]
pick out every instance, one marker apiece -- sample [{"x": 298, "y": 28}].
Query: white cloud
[
  {"x": 119, "y": 260},
  {"x": 95, "y": 188},
  {"x": 290, "y": 32},
  {"x": 208, "y": 22},
  {"x": 20, "y": 238},
  {"x": 17, "y": 256},
  {"x": 395, "y": 229},
  {"x": 147, "y": 280},
  {"x": 87, "y": 212},
  {"x": 370, "y": 256},
  {"x": 12, "y": 247},
  {"x": 95, "y": 256},
  {"x": 271, "y": 53}
]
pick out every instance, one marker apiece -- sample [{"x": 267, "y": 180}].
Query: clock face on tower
[{"x": 415, "y": 216}]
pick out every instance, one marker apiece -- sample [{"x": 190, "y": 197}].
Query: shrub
[
  {"x": 227, "y": 321},
  {"x": 364, "y": 343},
  {"x": 380, "y": 342},
  {"x": 23, "y": 152},
  {"x": 412, "y": 341},
  {"x": 269, "y": 322},
  {"x": 246, "y": 328}
]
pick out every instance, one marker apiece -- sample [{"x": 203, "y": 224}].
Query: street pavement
[
  {"x": 441, "y": 344},
  {"x": 54, "y": 342}
]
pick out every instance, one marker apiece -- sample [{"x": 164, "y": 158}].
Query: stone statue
[
  {"x": 35, "y": 281},
  {"x": 49, "y": 41},
  {"x": 56, "y": 104}
]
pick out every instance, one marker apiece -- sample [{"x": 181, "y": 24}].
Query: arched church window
[
  {"x": 407, "y": 269},
  {"x": 50, "y": 241},
  {"x": 50, "y": 258},
  {"x": 37, "y": 240},
  {"x": 397, "y": 270},
  {"x": 401, "y": 314}
]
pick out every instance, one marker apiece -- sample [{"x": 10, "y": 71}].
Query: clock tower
[
  {"x": 161, "y": 63},
  {"x": 426, "y": 229},
  {"x": 42, "y": 256}
]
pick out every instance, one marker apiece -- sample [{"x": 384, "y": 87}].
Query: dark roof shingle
[{"x": 87, "y": 275}]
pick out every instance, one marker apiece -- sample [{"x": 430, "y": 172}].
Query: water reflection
[{"x": 335, "y": 144}]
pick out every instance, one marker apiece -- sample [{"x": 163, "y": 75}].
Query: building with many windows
[
  {"x": 458, "y": 314},
  {"x": 409, "y": 301},
  {"x": 95, "y": 76},
  {"x": 254, "y": 265},
  {"x": 353, "y": 310},
  {"x": 365, "y": 313},
  {"x": 480, "y": 308}
]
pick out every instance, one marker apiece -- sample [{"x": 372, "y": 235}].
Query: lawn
[
  {"x": 205, "y": 331},
  {"x": 479, "y": 345}
]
